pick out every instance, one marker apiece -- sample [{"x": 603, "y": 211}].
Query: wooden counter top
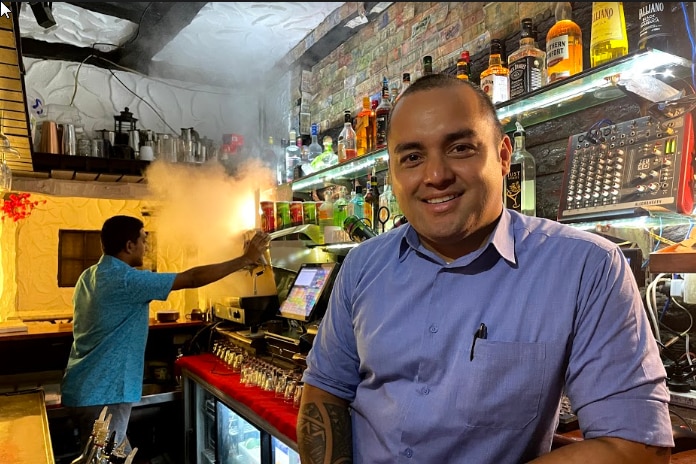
[
  {"x": 45, "y": 330},
  {"x": 24, "y": 433}
]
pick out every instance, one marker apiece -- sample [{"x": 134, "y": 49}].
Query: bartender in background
[
  {"x": 111, "y": 318},
  {"x": 452, "y": 339}
]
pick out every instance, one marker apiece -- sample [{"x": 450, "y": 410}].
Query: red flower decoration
[{"x": 18, "y": 206}]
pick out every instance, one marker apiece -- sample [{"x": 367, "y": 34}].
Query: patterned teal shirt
[{"x": 110, "y": 328}]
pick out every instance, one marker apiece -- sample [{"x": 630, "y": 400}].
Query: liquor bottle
[
  {"x": 357, "y": 230},
  {"x": 427, "y": 65},
  {"x": 464, "y": 66},
  {"x": 292, "y": 156},
  {"x": 340, "y": 208},
  {"x": 520, "y": 183},
  {"x": 405, "y": 82},
  {"x": 494, "y": 79},
  {"x": 314, "y": 148},
  {"x": 526, "y": 64},
  {"x": 281, "y": 172},
  {"x": 358, "y": 202},
  {"x": 364, "y": 131},
  {"x": 382, "y": 116},
  {"x": 327, "y": 157},
  {"x": 608, "y": 38},
  {"x": 662, "y": 27},
  {"x": 326, "y": 210},
  {"x": 388, "y": 206},
  {"x": 346, "y": 139},
  {"x": 563, "y": 45}
]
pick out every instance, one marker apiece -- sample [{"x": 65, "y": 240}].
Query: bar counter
[
  {"x": 279, "y": 418},
  {"x": 261, "y": 407},
  {"x": 24, "y": 432}
]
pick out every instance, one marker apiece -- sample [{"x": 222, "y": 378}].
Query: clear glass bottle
[
  {"x": 427, "y": 65},
  {"x": 382, "y": 116},
  {"x": 293, "y": 156},
  {"x": 608, "y": 39},
  {"x": 347, "y": 139},
  {"x": 358, "y": 202},
  {"x": 520, "y": 183},
  {"x": 340, "y": 207},
  {"x": 314, "y": 148},
  {"x": 464, "y": 66},
  {"x": 527, "y": 64},
  {"x": 563, "y": 45},
  {"x": 364, "y": 131},
  {"x": 494, "y": 79}
]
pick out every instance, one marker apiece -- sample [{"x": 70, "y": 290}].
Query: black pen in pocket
[{"x": 482, "y": 333}]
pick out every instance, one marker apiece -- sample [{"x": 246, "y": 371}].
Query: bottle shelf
[{"x": 589, "y": 88}]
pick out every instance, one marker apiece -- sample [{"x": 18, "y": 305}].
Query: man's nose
[{"x": 438, "y": 170}]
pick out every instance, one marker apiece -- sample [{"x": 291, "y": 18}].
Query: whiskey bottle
[
  {"x": 364, "y": 131},
  {"x": 382, "y": 116},
  {"x": 464, "y": 66},
  {"x": 494, "y": 79},
  {"x": 563, "y": 45},
  {"x": 662, "y": 27},
  {"x": 526, "y": 64},
  {"x": 520, "y": 183},
  {"x": 608, "y": 39}
]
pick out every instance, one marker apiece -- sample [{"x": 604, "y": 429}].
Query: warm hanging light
[{"x": 6, "y": 153}]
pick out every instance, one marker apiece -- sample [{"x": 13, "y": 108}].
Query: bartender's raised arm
[
  {"x": 324, "y": 428},
  {"x": 606, "y": 450}
]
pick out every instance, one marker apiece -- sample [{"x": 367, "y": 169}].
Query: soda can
[
  {"x": 309, "y": 209},
  {"x": 296, "y": 213},
  {"x": 268, "y": 216},
  {"x": 282, "y": 215}
]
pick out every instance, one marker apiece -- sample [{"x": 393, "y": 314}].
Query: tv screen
[{"x": 309, "y": 292}]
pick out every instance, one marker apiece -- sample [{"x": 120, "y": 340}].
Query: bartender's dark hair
[
  {"x": 117, "y": 231},
  {"x": 439, "y": 81}
]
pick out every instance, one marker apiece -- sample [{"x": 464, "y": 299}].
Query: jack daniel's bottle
[{"x": 520, "y": 183}]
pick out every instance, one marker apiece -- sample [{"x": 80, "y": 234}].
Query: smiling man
[{"x": 452, "y": 339}]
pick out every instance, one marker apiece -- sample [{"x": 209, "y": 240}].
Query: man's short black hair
[
  {"x": 439, "y": 81},
  {"x": 117, "y": 231}
]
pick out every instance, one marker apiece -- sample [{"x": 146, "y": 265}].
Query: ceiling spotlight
[{"x": 43, "y": 13}]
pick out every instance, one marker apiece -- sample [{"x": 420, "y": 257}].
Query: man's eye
[{"x": 463, "y": 150}]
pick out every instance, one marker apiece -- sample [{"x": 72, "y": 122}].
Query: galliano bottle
[
  {"x": 563, "y": 45},
  {"x": 520, "y": 183},
  {"x": 662, "y": 27},
  {"x": 609, "y": 39}
]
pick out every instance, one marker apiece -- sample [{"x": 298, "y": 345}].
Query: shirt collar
[{"x": 502, "y": 239}]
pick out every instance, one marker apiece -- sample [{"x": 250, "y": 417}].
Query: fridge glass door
[
  {"x": 239, "y": 442},
  {"x": 283, "y": 454}
]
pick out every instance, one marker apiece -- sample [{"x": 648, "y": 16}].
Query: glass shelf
[{"x": 592, "y": 87}]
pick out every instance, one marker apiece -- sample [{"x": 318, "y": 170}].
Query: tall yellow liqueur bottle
[
  {"x": 563, "y": 45},
  {"x": 494, "y": 79},
  {"x": 527, "y": 64},
  {"x": 609, "y": 39}
]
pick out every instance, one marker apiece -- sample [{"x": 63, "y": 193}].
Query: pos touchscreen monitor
[{"x": 309, "y": 293}]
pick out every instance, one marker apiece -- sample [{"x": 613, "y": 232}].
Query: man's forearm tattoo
[{"x": 327, "y": 436}]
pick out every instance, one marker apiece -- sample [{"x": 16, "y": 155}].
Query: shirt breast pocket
[{"x": 504, "y": 387}]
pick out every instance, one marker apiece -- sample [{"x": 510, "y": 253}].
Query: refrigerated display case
[{"x": 223, "y": 423}]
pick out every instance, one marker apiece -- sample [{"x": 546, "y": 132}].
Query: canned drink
[
  {"x": 282, "y": 215},
  {"x": 296, "y": 213},
  {"x": 309, "y": 209},
  {"x": 268, "y": 216}
]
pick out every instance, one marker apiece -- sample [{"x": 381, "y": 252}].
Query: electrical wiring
[
  {"x": 651, "y": 302},
  {"x": 682, "y": 419},
  {"x": 684, "y": 9}
]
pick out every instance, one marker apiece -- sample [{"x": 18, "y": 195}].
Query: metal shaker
[{"x": 68, "y": 139}]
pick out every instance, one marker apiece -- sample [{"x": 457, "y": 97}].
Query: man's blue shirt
[
  {"x": 562, "y": 312},
  {"x": 110, "y": 328}
]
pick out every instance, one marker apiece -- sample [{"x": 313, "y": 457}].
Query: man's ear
[
  {"x": 505, "y": 153},
  {"x": 129, "y": 247}
]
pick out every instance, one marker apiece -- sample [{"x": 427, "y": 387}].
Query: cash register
[{"x": 302, "y": 309}]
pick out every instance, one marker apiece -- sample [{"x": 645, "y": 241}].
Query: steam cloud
[{"x": 203, "y": 213}]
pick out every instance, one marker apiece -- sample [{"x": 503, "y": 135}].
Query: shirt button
[
  {"x": 408, "y": 453},
  {"x": 425, "y": 390},
  {"x": 433, "y": 329}
]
